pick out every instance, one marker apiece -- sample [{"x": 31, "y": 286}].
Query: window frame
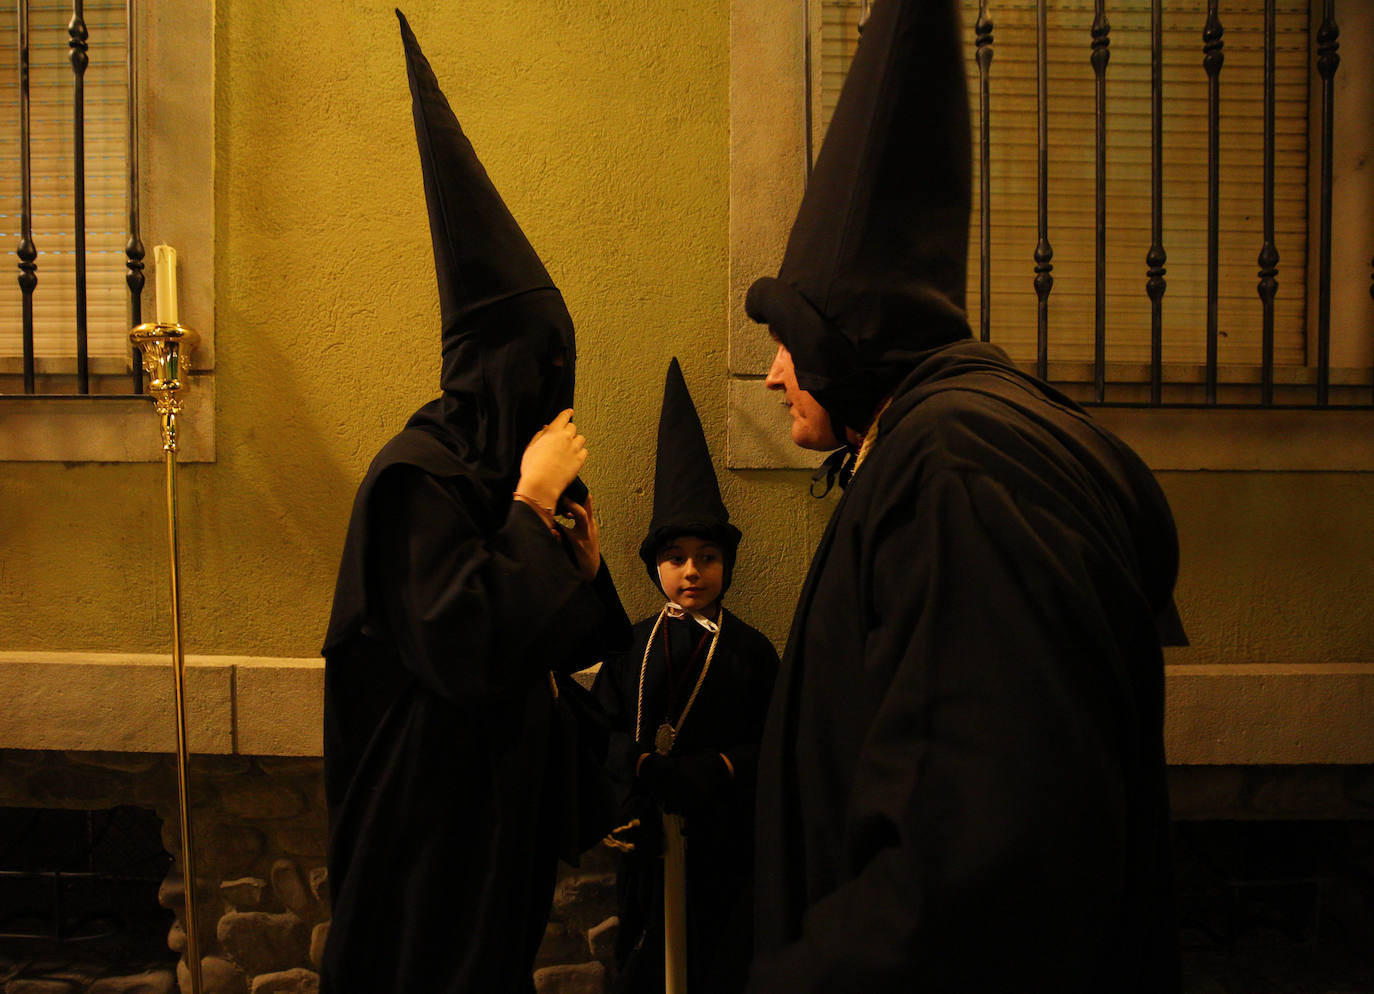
[{"x": 176, "y": 195}]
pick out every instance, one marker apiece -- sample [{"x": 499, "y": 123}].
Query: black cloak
[
  {"x": 727, "y": 717},
  {"x": 962, "y": 779},
  {"x": 715, "y": 796},
  {"x": 450, "y": 741},
  {"x": 962, "y": 783}
]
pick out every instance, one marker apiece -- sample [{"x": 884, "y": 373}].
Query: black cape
[
  {"x": 450, "y": 765},
  {"x": 727, "y": 717},
  {"x": 962, "y": 782}
]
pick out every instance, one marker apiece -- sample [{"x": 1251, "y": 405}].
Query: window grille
[
  {"x": 1146, "y": 228},
  {"x": 68, "y": 201}
]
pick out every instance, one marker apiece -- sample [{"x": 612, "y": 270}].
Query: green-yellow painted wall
[{"x": 605, "y": 126}]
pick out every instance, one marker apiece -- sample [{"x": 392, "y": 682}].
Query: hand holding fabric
[
  {"x": 551, "y": 461},
  {"x": 583, "y": 541}
]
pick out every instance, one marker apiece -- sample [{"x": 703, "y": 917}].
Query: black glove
[{"x": 683, "y": 784}]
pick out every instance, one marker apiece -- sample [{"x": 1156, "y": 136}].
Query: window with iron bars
[
  {"x": 107, "y": 144},
  {"x": 65, "y": 195},
  {"x": 1152, "y": 183}
]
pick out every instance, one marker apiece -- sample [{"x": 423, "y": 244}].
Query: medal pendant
[{"x": 663, "y": 739}]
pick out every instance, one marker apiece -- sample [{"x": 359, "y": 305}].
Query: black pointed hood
[
  {"x": 875, "y": 266},
  {"x": 686, "y": 495},
  {"x": 505, "y": 327}
]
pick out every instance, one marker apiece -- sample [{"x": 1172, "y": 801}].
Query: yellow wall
[{"x": 605, "y": 126}]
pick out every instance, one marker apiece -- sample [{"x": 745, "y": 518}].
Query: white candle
[{"x": 165, "y": 260}]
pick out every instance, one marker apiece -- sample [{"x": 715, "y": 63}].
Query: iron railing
[
  {"x": 1133, "y": 383},
  {"x": 28, "y": 253}
]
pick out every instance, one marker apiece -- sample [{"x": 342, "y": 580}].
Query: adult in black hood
[
  {"x": 453, "y": 750},
  {"x": 962, "y": 780}
]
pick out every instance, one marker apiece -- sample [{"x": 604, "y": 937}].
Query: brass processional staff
[{"x": 166, "y": 346}]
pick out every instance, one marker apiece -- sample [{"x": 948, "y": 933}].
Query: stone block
[
  {"x": 136, "y": 763},
  {"x": 291, "y": 889},
  {"x": 171, "y": 893},
  {"x": 261, "y": 797},
  {"x": 319, "y": 882},
  {"x": 561, "y": 944},
  {"x": 291, "y": 766},
  {"x": 571, "y": 978},
  {"x": 760, "y": 434},
  {"x": 148, "y": 982},
  {"x": 319, "y": 935},
  {"x": 305, "y": 841},
  {"x": 217, "y": 975},
  {"x": 601, "y": 938},
  {"x": 120, "y": 702},
  {"x": 236, "y": 846},
  {"x": 260, "y": 942},
  {"x": 279, "y": 704},
  {"x": 221, "y": 767},
  {"x": 69, "y": 787},
  {"x": 577, "y": 889},
  {"x": 40, "y": 985},
  {"x": 244, "y": 894},
  {"x": 176, "y": 937},
  {"x": 297, "y": 981}
]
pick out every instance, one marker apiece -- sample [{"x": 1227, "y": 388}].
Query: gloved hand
[{"x": 682, "y": 784}]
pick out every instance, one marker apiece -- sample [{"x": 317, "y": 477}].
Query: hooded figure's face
[
  {"x": 508, "y": 370},
  {"x": 529, "y": 364},
  {"x": 811, "y": 426}
]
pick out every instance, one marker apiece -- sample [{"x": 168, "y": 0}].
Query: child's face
[{"x": 691, "y": 571}]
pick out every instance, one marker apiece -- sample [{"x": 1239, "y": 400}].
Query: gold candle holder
[{"x": 165, "y": 349}]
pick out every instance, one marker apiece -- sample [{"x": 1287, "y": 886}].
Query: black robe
[
  {"x": 727, "y": 717},
  {"x": 962, "y": 782},
  {"x": 447, "y": 755}
]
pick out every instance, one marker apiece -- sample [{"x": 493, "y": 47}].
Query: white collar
[{"x": 675, "y": 610}]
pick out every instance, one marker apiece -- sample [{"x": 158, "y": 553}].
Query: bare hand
[
  {"x": 582, "y": 540},
  {"x": 551, "y": 460}
]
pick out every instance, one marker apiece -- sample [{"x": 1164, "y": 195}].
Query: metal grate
[
  {"x": 1140, "y": 229},
  {"x": 69, "y": 190}
]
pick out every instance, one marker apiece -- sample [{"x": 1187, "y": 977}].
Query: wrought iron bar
[
  {"x": 27, "y": 251},
  {"x": 1043, "y": 252},
  {"x": 76, "y": 29},
  {"x": 1156, "y": 257},
  {"x": 983, "y": 48},
  {"x": 134, "y": 250},
  {"x": 1269, "y": 254},
  {"x": 1327, "y": 60},
  {"x": 1212, "y": 59},
  {"x": 1101, "y": 54}
]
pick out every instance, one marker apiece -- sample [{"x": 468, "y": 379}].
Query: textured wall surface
[{"x": 606, "y": 128}]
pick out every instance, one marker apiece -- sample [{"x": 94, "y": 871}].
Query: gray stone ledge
[
  {"x": 1217, "y": 714},
  {"x": 125, "y": 702}
]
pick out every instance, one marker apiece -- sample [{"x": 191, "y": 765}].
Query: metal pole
[{"x": 165, "y": 364}]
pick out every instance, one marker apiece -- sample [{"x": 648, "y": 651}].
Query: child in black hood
[{"x": 686, "y": 706}]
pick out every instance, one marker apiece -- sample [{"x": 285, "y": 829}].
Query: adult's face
[{"x": 810, "y": 424}]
